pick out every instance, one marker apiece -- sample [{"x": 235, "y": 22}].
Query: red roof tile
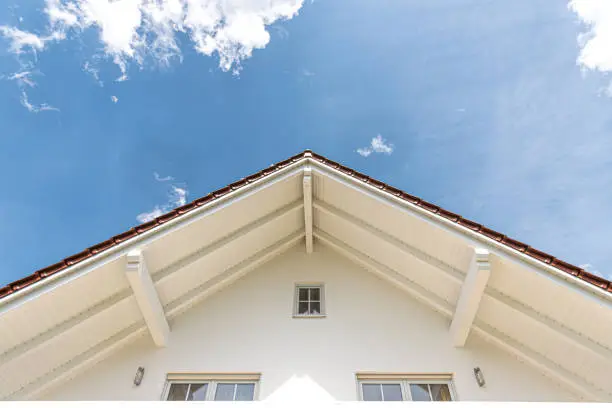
[
  {"x": 448, "y": 215},
  {"x": 76, "y": 258},
  {"x": 594, "y": 279},
  {"x": 539, "y": 255},
  {"x": 410, "y": 198},
  {"x": 5, "y": 291},
  {"x": 102, "y": 246},
  {"x": 52, "y": 269},
  {"x": 133, "y": 232},
  {"x": 474, "y": 226},
  {"x": 512, "y": 243},
  {"x": 27, "y": 281}
]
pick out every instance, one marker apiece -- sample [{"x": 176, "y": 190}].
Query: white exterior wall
[{"x": 371, "y": 326}]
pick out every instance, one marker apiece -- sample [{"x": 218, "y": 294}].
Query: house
[{"x": 308, "y": 281}]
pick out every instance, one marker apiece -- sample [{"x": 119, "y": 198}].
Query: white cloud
[
  {"x": 20, "y": 40},
  {"x": 587, "y": 267},
  {"x": 22, "y": 78},
  {"x": 114, "y": 99},
  {"x": 137, "y": 31},
  {"x": 377, "y": 145},
  {"x": 93, "y": 71},
  {"x": 61, "y": 14},
  {"x": 595, "y": 44},
  {"x": 364, "y": 151},
  {"x": 177, "y": 196},
  {"x": 35, "y": 108},
  {"x": 150, "y": 216},
  {"x": 24, "y": 81},
  {"x": 160, "y": 178}
]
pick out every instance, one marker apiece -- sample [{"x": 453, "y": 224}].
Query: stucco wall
[{"x": 371, "y": 326}]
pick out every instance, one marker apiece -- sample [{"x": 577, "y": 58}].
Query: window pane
[
  {"x": 303, "y": 308},
  {"x": 315, "y": 294},
  {"x": 315, "y": 307},
  {"x": 245, "y": 392},
  {"x": 303, "y": 294},
  {"x": 197, "y": 392},
  {"x": 371, "y": 392},
  {"x": 392, "y": 392},
  {"x": 177, "y": 392},
  {"x": 419, "y": 392},
  {"x": 440, "y": 392},
  {"x": 225, "y": 392}
]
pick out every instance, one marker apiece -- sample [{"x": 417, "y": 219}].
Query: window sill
[{"x": 312, "y": 316}]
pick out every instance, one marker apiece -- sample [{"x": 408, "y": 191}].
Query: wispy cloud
[
  {"x": 177, "y": 196},
  {"x": 22, "y": 40},
  {"x": 160, "y": 178},
  {"x": 35, "y": 108},
  {"x": 93, "y": 71},
  {"x": 587, "y": 267},
  {"x": 24, "y": 81},
  {"x": 143, "y": 31},
  {"x": 23, "y": 78},
  {"x": 281, "y": 31},
  {"x": 596, "y": 51},
  {"x": 377, "y": 145}
]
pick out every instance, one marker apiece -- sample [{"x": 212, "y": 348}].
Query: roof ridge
[{"x": 133, "y": 232}]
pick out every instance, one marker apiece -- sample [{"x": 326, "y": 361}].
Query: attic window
[{"x": 309, "y": 301}]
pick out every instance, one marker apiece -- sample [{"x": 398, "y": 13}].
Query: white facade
[{"x": 370, "y": 326}]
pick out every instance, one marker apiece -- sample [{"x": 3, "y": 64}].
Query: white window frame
[
  {"x": 296, "y": 299},
  {"x": 212, "y": 380},
  {"x": 404, "y": 381},
  {"x": 378, "y": 382}
]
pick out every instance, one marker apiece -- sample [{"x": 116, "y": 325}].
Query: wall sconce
[
  {"x": 479, "y": 377},
  {"x": 138, "y": 376}
]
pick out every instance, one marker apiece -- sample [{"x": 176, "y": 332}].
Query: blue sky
[{"x": 112, "y": 112}]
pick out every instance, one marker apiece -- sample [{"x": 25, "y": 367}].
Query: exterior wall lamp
[
  {"x": 479, "y": 377},
  {"x": 138, "y": 376}
]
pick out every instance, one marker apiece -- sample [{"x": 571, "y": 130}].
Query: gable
[{"x": 557, "y": 320}]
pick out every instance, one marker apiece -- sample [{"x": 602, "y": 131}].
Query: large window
[
  {"x": 211, "y": 387},
  {"x": 405, "y": 387},
  {"x": 309, "y": 300}
]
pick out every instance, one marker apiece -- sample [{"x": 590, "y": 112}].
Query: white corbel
[
  {"x": 147, "y": 298},
  {"x": 471, "y": 294},
  {"x": 307, "y": 187}
]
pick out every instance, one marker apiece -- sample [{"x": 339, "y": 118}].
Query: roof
[{"x": 99, "y": 248}]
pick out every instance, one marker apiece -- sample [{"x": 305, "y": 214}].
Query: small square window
[{"x": 309, "y": 301}]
